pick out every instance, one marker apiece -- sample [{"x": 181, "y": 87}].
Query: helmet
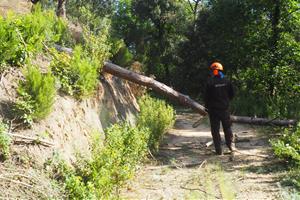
[{"x": 216, "y": 66}]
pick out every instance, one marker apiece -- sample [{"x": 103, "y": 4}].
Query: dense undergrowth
[
  {"x": 255, "y": 98},
  {"x": 287, "y": 147},
  {"x": 22, "y": 37},
  {"x": 77, "y": 73}
]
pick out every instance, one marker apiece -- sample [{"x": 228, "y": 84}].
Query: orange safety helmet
[{"x": 216, "y": 67}]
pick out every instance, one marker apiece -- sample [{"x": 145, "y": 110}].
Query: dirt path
[{"x": 186, "y": 169}]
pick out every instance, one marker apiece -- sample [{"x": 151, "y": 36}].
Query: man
[{"x": 219, "y": 92}]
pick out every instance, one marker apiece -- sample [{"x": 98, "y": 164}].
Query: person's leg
[
  {"x": 226, "y": 123},
  {"x": 215, "y": 132}
]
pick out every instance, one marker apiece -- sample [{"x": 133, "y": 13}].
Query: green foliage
[
  {"x": 21, "y": 37},
  {"x": 90, "y": 13},
  {"x": 254, "y": 98},
  {"x": 77, "y": 189},
  {"x": 97, "y": 44},
  {"x": 292, "y": 178},
  {"x": 36, "y": 95},
  {"x": 5, "y": 141},
  {"x": 77, "y": 73},
  {"x": 288, "y": 146},
  {"x": 121, "y": 54},
  {"x": 157, "y": 116},
  {"x": 111, "y": 165},
  {"x": 151, "y": 31},
  {"x": 11, "y": 49},
  {"x": 124, "y": 148}
]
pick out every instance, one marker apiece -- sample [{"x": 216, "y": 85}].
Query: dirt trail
[{"x": 186, "y": 169}]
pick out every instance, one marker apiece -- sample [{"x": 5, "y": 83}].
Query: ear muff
[{"x": 215, "y": 72}]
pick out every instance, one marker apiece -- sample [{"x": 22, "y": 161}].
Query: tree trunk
[
  {"x": 275, "y": 37},
  {"x": 262, "y": 121},
  {"x": 61, "y": 8},
  {"x": 153, "y": 84}
]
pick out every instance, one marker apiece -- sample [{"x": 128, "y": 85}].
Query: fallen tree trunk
[
  {"x": 262, "y": 121},
  {"x": 153, "y": 84}
]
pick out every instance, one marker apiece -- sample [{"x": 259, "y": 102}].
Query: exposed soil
[{"x": 185, "y": 168}]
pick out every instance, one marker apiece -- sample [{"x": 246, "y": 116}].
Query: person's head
[{"x": 215, "y": 68}]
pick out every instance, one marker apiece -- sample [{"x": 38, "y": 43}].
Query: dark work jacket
[{"x": 218, "y": 93}]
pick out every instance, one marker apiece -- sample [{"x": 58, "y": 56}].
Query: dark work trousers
[{"x": 215, "y": 117}]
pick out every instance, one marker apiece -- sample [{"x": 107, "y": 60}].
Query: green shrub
[
  {"x": 77, "y": 73},
  {"x": 124, "y": 148},
  {"x": 97, "y": 44},
  {"x": 36, "y": 95},
  {"x": 11, "y": 49},
  {"x": 121, "y": 54},
  {"x": 292, "y": 178},
  {"x": 5, "y": 141},
  {"x": 77, "y": 189},
  {"x": 111, "y": 164},
  {"x": 23, "y": 36},
  {"x": 288, "y": 146},
  {"x": 40, "y": 27},
  {"x": 157, "y": 116}
]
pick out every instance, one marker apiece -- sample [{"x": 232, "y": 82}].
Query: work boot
[{"x": 219, "y": 152}]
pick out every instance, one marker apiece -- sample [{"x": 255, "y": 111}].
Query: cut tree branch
[
  {"x": 262, "y": 121},
  {"x": 34, "y": 140}
]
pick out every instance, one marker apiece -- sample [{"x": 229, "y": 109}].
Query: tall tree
[
  {"x": 61, "y": 7},
  {"x": 152, "y": 30}
]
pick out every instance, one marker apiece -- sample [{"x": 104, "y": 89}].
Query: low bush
[
  {"x": 125, "y": 147},
  {"x": 77, "y": 73},
  {"x": 5, "y": 141},
  {"x": 156, "y": 115},
  {"x": 36, "y": 95},
  {"x": 111, "y": 164},
  {"x": 97, "y": 44},
  {"x": 21, "y": 37},
  {"x": 288, "y": 146}
]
